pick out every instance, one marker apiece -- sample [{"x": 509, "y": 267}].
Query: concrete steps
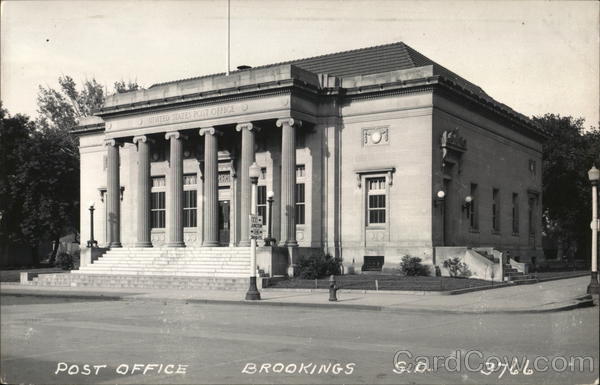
[
  {"x": 219, "y": 268},
  {"x": 512, "y": 274},
  {"x": 140, "y": 281}
]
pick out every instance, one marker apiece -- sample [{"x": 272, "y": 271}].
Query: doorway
[{"x": 224, "y": 224}]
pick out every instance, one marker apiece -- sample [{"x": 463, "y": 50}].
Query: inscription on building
[{"x": 195, "y": 114}]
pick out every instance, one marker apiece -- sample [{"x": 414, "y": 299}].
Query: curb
[
  {"x": 539, "y": 280},
  {"x": 579, "y": 302},
  {"x": 498, "y": 285}
]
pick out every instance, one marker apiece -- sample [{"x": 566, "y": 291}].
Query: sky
[{"x": 535, "y": 56}]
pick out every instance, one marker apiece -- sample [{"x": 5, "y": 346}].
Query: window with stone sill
[
  {"x": 190, "y": 199},
  {"x": 495, "y": 210},
  {"x": 515, "y": 214},
  {"x": 189, "y": 208},
  {"x": 376, "y": 201},
  {"x": 300, "y": 204},
  {"x": 157, "y": 203},
  {"x": 473, "y": 212},
  {"x": 158, "y": 210},
  {"x": 531, "y": 216}
]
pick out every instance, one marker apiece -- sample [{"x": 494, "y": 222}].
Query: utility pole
[{"x": 228, "y": 35}]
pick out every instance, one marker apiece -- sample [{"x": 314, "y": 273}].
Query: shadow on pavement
[{"x": 16, "y": 299}]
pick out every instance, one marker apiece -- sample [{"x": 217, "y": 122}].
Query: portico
[{"x": 208, "y": 138}]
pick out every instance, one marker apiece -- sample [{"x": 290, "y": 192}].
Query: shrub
[
  {"x": 457, "y": 268},
  {"x": 65, "y": 261},
  {"x": 318, "y": 266},
  {"x": 412, "y": 266}
]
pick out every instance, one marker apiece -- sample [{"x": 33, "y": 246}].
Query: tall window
[
  {"x": 495, "y": 210},
  {"x": 515, "y": 213},
  {"x": 300, "y": 171},
  {"x": 473, "y": 214},
  {"x": 531, "y": 216},
  {"x": 300, "y": 201},
  {"x": 376, "y": 201},
  {"x": 157, "y": 207},
  {"x": 261, "y": 203},
  {"x": 189, "y": 200}
]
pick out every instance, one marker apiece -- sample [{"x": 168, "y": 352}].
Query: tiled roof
[
  {"x": 362, "y": 61},
  {"x": 374, "y": 60}
]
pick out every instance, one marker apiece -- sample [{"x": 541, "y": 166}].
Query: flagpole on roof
[{"x": 228, "y": 34}]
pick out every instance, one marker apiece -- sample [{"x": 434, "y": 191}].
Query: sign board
[{"x": 256, "y": 227}]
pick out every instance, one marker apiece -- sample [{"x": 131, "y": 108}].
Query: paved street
[{"x": 219, "y": 342}]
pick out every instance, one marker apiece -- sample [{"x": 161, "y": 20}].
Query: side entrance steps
[
  {"x": 512, "y": 274},
  {"x": 219, "y": 268}
]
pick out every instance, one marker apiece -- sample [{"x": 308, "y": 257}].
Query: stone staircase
[
  {"x": 219, "y": 268},
  {"x": 512, "y": 274}
]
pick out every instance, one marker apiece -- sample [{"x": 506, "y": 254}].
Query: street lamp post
[
  {"x": 92, "y": 242},
  {"x": 253, "y": 293},
  {"x": 269, "y": 240},
  {"x": 594, "y": 175}
]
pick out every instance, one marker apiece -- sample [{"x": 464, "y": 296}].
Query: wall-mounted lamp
[
  {"x": 467, "y": 204},
  {"x": 439, "y": 198}
]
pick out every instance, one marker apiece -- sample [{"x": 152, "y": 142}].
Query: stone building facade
[{"x": 371, "y": 154}]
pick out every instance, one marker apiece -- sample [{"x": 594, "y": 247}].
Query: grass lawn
[{"x": 385, "y": 282}]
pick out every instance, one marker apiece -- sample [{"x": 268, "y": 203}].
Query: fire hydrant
[{"x": 332, "y": 289}]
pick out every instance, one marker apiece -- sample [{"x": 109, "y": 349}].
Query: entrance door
[{"x": 224, "y": 222}]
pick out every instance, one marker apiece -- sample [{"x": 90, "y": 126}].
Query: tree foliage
[
  {"x": 15, "y": 132},
  {"x": 568, "y": 154},
  {"x": 39, "y": 189},
  {"x": 40, "y": 184}
]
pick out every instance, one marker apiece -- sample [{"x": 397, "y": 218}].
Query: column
[
  {"x": 175, "y": 190},
  {"x": 288, "y": 181},
  {"x": 248, "y": 140},
  {"x": 211, "y": 187},
  {"x": 113, "y": 194},
  {"x": 143, "y": 191}
]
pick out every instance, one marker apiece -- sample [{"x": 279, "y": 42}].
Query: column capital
[
  {"x": 289, "y": 121},
  {"x": 142, "y": 138},
  {"x": 248, "y": 126},
  {"x": 175, "y": 135},
  {"x": 112, "y": 142},
  {"x": 210, "y": 131}
]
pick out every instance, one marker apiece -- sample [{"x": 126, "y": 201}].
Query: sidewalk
[{"x": 549, "y": 296}]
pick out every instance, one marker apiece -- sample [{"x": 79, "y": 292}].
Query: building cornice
[
  {"x": 313, "y": 92},
  {"x": 515, "y": 120},
  {"x": 88, "y": 129},
  {"x": 211, "y": 97}
]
